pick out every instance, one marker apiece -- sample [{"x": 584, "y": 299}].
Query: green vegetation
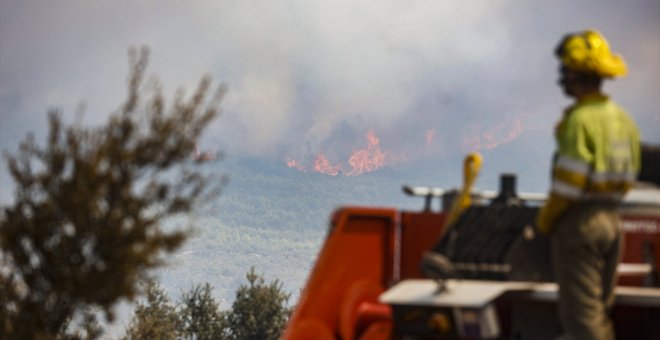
[
  {"x": 200, "y": 315},
  {"x": 155, "y": 319},
  {"x": 259, "y": 312}
]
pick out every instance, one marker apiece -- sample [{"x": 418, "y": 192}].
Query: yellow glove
[
  {"x": 543, "y": 223},
  {"x": 548, "y": 215}
]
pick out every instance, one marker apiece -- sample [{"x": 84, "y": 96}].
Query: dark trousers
[{"x": 586, "y": 248}]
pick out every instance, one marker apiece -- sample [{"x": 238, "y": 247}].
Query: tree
[
  {"x": 200, "y": 315},
  {"x": 259, "y": 311},
  {"x": 85, "y": 224},
  {"x": 157, "y": 319},
  {"x": 87, "y": 327}
]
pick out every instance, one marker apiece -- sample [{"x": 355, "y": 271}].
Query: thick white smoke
[{"x": 311, "y": 76}]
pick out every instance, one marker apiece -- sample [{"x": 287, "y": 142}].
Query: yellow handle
[{"x": 471, "y": 167}]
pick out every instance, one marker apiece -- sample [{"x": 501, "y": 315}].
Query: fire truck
[{"x": 368, "y": 281}]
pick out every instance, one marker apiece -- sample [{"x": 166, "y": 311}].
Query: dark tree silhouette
[
  {"x": 200, "y": 315},
  {"x": 157, "y": 318},
  {"x": 259, "y": 311},
  {"x": 85, "y": 225}
]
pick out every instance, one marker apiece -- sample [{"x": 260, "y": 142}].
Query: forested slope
[{"x": 273, "y": 218}]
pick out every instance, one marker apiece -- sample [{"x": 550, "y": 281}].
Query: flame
[
  {"x": 371, "y": 157},
  {"x": 294, "y": 164},
  {"x": 494, "y": 137},
  {"x": 367, "y": 159},
  {"x": 362, "y": 160},
  {"x": 323, "y": 165}
]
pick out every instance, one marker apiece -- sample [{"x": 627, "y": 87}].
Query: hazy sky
[{"x": 308, "y": 76}]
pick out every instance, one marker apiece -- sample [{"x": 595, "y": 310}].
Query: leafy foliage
[
  {"x": 85, "y": 225},
  {"x": 87, "y": 327},
  {"x": 155, "y": 319},
  {"x": 259, "y": 311},
  {"x": 200, "y": 315}
]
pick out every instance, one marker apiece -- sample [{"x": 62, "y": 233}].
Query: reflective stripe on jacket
[{"x": 597, "y": 159}]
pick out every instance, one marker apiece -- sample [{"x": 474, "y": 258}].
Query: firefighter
[{"x": 596, "y": 163}]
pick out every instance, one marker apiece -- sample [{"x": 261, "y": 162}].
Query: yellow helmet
[{"x": 589, "y": 52}]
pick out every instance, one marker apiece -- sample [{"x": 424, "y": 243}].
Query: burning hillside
[
  {"x": 371, "y": 157},
  {"x": 361, "y": 160}
]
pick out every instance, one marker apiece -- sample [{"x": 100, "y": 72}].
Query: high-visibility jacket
[{"x": 597, "y": 158}]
